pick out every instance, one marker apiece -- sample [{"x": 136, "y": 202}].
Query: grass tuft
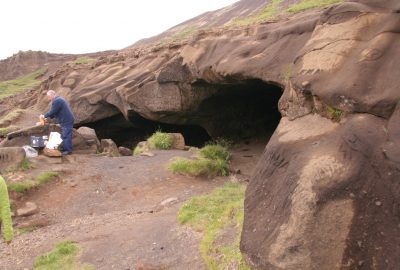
[
  {"x": 6, "y": 130},
  {"x": 267, "y": 13},
  {"x": 11, "y": 87},
  {"x": 334, "y": 113},
  {"x": 214, "y": 152},
  {"x": 83, "y": 60},
  {"x": 160, "y": 140},
  {"x": 309, "y": 4},
  {"x": 212, "y": 214},
  {"x": 62, "y": 257},
  {"x": 213, "y": 160},
  {"x": 26, "y": 185},
  {"x": 199, "y": 167},
  {"x": 6, "y": 120}
]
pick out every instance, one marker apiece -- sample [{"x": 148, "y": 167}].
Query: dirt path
[{"x": 112, "y": 208}]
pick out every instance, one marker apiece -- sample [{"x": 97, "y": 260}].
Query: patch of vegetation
[
  {"x": 214, "y": 152},
  {"x": 4, "y": 131},
  {"x": 287, "y": 73},
  {"x": 183, "y": 34},
  {"x": 62, "y": 257},
  {"x": 6, "y": 120},
  {"x": 26, "y": 165},
  {"x": 212, "y": 214},
  {"x": 83, "y": 60},
  {"x": 334, "y": 113},
  {"x": 213, "y": 160},
  {"x": 11, "y": 87},
  {"x": 26, "y": 185},
  {"x": 27, "y": 229},
  {"x": 160, "y": 140},
  {"x": 309, "y": 4},
  {"x": 5, "y": 212},
  {"x": 267, "y": 13}
]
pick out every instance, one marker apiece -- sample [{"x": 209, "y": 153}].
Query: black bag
[{"x": 36, "y": 142}]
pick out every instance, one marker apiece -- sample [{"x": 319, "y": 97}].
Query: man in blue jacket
[{"x": 61, "y": 111}]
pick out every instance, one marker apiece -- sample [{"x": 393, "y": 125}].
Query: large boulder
[{"x": 11, "y": 157}]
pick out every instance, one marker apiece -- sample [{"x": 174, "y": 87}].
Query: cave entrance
[
  {"x": 239, "y": 110},
  {"x": 129, "y": 132}
]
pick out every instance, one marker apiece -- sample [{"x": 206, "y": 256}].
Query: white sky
[{"x": 83, "y": 26}]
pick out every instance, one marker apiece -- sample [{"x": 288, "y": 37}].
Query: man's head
[{"x": 51, "y": 95}]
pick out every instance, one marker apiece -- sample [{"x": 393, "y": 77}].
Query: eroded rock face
[{"x": 326, "y": 193}]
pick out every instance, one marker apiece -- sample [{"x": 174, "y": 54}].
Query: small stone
[
  {"x": 305, "y": 83},
  {"x": 169, "y": 201},
  {"x": 147, "y": 154},
  {"x": 73, "y": 184},
  {"x": 352, "y": 195},
  {"x": 29, "y": 209},
  {"x": 378, "y": 203}
]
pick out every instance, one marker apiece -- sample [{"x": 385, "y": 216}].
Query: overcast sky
[{"x": 83, "y": 26}]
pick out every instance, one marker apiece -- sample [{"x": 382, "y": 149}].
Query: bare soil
[{"x": 112, "y": 208}]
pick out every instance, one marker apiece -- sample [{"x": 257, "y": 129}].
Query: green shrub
[
  {"x": 62, "y": 257},
  {"x": 212, "y": 214},
  {"x": 11, "y": 87},
  {"x": 5, "y": 212},
  {"x": 46, "y": 177},
  {"x": 214, "y": 152},
  {"x": 213, "y": 160},
  {"x": 160, "y": 140},
  {"x": 308, "y": 4},
  {"x": 334, "y": 113}
]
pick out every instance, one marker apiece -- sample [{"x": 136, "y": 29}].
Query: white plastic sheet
[
  {"x": 54, "y": 140},
  {"x": 30, "y": 151}
]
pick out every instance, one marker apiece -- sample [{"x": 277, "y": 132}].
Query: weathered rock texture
[{"x": 326, "y": 194}]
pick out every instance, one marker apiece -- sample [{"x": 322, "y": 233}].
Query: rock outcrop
[{"x": 326, "y": 192}]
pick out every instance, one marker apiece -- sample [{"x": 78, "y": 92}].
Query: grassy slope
[{"x": 8, "y": 88}]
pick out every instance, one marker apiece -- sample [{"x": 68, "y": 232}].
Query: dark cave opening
[
  {"x": 129, "y": 133},
  {"x": 237, "y": 111},
  {"x": 240, "y": 110}
]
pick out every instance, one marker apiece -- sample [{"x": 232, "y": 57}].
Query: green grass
[
  {"x": 199, "y": 167},
  {"x": 267, "y": 13},
  {"x": 63, "y": 257},
  {"x": 4, "y": 131},
  {"x": 214, "y": 152},
  {"x": 160, "y": 140},
  {"x": 26, "y": 185},
  {"x": 309, "y": 4},
  {"x": 26, "y": 165},
  {"x": 8, "y": 88},
  {"x": 334, "y": 113},
  {"x": 6, "y": 120},
  {"x": 5, "y": 212},
  {"x": 183, "y": 34},
  {"x": 212, "y": 214},
  {"x": 27, "y": 229},
  {"x": 213, "y": 160},
  {"x": 83, "y": 60},
  {"x": 287, "y": 73}
]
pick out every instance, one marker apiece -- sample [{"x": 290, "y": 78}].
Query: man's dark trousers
[{"x": 66, "y": 136}]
